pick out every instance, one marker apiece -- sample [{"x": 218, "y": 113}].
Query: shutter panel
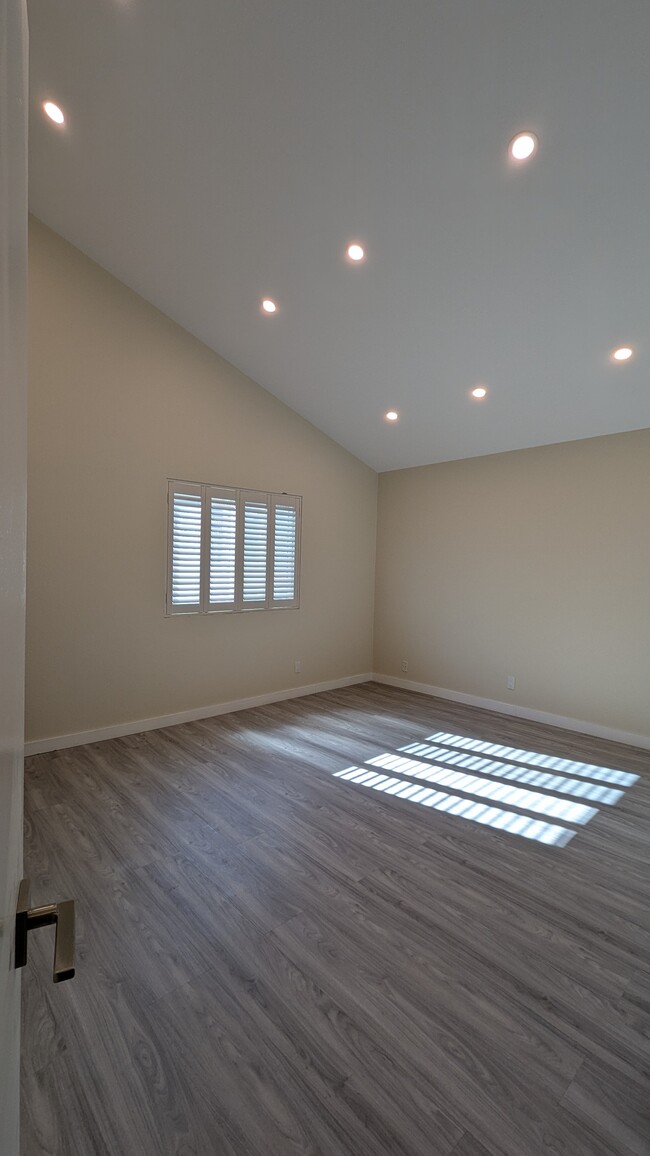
[
  {"x": 184, "y": 580},
  {"x": 223, "y": 545},
  {"x": 285, "y": 550},
  {"x": 231, "y": 549},
  {"x": 255, "y": 509}
]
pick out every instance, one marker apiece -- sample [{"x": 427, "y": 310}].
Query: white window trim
[{"x": 239, "y": 605}]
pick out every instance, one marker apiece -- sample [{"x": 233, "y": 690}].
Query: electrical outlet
[
  {"x": 510, "y": 682},
  {"x": 405, "y": 665},
  {"x": 297, "y": 666}
]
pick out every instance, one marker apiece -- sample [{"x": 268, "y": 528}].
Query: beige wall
[
  {"x": 534, "y": 563},
  {"x": 121, "y": 399}
]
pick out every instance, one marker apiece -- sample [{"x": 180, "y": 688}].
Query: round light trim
[
  {"x": 269, "y": 306},
  {"x": 356, "y": 252},
  {"x": 391, "y": 415},
  {"x": 53, "y": 111},
  {"x": 623, "y": 354},
  {"x": 523, "y": 146},
  {"x": 479, "y": 393}
]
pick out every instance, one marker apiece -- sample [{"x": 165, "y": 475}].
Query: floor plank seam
[{"x": 305, "y": 964}]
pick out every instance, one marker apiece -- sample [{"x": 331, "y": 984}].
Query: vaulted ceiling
[{"x": 216, "y": 152}]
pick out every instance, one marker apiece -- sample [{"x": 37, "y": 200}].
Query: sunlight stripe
[
  {"x": 536, "y": 759},
  {"x": 474, "y": 812}
]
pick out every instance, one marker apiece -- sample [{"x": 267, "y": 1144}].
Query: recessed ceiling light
[
  {"x": 479, "y": 392},
  {"x": 523, "y": 146},
  {"x": 623, "y": 354},
  {"x": 356, "y": 252},
  {"x": 269, "y": 306},
  {"x": 53, "y": 111},
  {"x": 391, "y": 415}
]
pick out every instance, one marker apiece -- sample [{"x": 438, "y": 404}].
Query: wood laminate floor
[{"x": 274, "y": 960}]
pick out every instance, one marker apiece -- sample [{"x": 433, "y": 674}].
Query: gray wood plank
[
  {"x": 274, "y": 960},
  {"x": 614, "y": 1106}
]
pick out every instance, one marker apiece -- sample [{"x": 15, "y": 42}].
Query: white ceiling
[{"x": 217, "y": 151}]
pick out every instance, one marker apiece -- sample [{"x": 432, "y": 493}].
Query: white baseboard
[
  {"x": 61, "y": 742},
  {"x": 554, "y": 720},
  {"x": 80, "y": 738}
]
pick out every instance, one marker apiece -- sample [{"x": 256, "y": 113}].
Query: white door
[{"x": 13, "y": 464}]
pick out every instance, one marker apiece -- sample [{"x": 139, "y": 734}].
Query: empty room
[{"x": 324, "y": 578}]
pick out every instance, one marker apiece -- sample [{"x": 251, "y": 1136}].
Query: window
[{"x": 231, "y": 549}]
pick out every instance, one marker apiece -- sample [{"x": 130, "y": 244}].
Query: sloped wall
[{"x": 121, "y": 398}]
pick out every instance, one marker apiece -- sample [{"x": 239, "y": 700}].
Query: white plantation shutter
[
  {"x": 285, "y": 513},
  {"x": 255, "y": 512},
  {"x": 231, "y": 550},
  {"x": 223, "y": 544},
  {"x": 184, "y": 579}
]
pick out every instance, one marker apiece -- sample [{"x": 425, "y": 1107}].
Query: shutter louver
[
  {"x": 223, "y": 542},
  {"x": 284, "y": 553},
  {"x": 256, "y": 517},
  {"x": 231, "y": 550},
  {"x": 186, "y": 550}
]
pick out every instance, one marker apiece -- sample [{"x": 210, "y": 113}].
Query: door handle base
[{"x": 30, "y": 918}]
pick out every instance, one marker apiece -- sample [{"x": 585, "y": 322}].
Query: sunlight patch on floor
[
  {"x": 499, "y": 770},
  {"x": 536, "y": 759},
  {"x": 464, "y": 808},
  {"x": 493, "y": 780}
]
